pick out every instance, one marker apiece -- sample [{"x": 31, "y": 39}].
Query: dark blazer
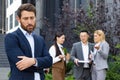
[
  {"x": 16, "y": 44},
  {"x": 77, "y": 52}
]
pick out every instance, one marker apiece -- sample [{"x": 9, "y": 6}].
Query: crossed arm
[{"x": 20, "y": 60}]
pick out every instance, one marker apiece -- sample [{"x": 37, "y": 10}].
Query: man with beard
[{"x": 26, "y": 51}]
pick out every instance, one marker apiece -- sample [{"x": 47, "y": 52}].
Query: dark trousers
[{"x": 86, "y": 74}]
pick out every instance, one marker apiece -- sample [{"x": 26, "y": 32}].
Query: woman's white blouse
[{"x": 52, "y": 52}]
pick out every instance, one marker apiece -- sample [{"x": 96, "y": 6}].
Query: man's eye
[
  {"x": 25, "y": 18},
  {"x": 32, "y": 18}
]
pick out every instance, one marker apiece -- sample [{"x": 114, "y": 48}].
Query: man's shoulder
[
  {"x": 77, "y": 43},
  {"x": 39, "y": 37},
  {"x": 12, "y": 33},
  {"x": 90, "y": 43}
]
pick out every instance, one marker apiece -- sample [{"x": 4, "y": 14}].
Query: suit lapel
[
  {"x": 81, "y": 51},
  {"x": 35, "y": 45},
  {"x": 24, "y": 40},
  {"x": 89, "y": 48}
]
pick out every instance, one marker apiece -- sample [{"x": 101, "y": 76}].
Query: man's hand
[
  {"x": 90, "y": 56},
  {"x": 46, "y": 70},
  {"x": 76, "y": 62},
  {"x": 25, "y": 62}
]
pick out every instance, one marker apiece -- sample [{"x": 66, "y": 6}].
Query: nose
[{"x": 29, "y": 21}]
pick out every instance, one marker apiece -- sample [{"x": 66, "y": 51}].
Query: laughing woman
[
  {"x": 100, "y": 55},
  {"x": 58, "y": 55}
]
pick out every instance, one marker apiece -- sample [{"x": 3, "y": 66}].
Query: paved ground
[{"x": 4, "y": 73}]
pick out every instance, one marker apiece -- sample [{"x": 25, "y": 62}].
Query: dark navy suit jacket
[{"x": 16, "y": 44}]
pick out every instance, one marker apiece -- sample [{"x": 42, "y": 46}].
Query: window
[
  {"x": 6, "y": 24},
  {"x": 16, "y": 22},
  {"x": 11, "y": 1},
  {"x": 7, "y": 3},
  {"x": 0, "y": 23},
  {"x": 11, "y": 21},
  {"x": 78, "y": 3}
]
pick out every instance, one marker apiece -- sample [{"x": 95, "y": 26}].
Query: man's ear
[
  {"x": 88, "y": 36},
  {"x": 18, "y": 19}
]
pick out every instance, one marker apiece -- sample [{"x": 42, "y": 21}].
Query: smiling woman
[
  {"x": 58, "y": 55},
  {"x": 101, "y": 51}
]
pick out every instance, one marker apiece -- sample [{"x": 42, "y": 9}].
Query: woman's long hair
[{"x": 58, "y": 34}]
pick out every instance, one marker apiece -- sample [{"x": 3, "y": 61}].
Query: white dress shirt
[
  {"x": 52, "y": 52},
  {"x": 85, "y": 49},
  {"x": 30, "y": 39}
]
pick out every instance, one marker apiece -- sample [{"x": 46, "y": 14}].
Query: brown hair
[{"x": 26, "y": 7}]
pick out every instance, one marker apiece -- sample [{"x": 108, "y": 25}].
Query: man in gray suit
[{"x": 81, "y": 51}]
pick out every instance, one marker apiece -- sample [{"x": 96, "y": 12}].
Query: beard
[{"x": 29, "y": 28}]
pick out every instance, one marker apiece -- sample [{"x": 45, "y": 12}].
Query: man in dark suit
[
  {"x": 81, "y": 51},
  {"x": 26, "y": 51}
]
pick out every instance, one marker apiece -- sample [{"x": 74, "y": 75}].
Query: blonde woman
[{"x": 99, "y": 56}]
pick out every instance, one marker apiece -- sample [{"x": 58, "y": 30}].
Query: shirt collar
[
  {"x": 84, "y": 44},
  {"x": 97, "y": 44},
  {"x": 24, "y": 32},
  {"x": 59, "y": 45}
]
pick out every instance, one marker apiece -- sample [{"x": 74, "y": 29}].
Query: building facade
[
  {"x": 11, "y": 21},
  {"x": 2, "y": 16},
  {"x": 45, "y": 8}
]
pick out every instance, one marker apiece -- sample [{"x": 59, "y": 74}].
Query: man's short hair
[
  {"x": 84, "y": 31},
  {"x": 26, "y": 7}
]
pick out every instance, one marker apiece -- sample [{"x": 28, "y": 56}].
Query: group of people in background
[
  {"x": 96, "y": 54},
  {"x": 90, "y": 59},
  {"x": 28, "y": 55}
]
